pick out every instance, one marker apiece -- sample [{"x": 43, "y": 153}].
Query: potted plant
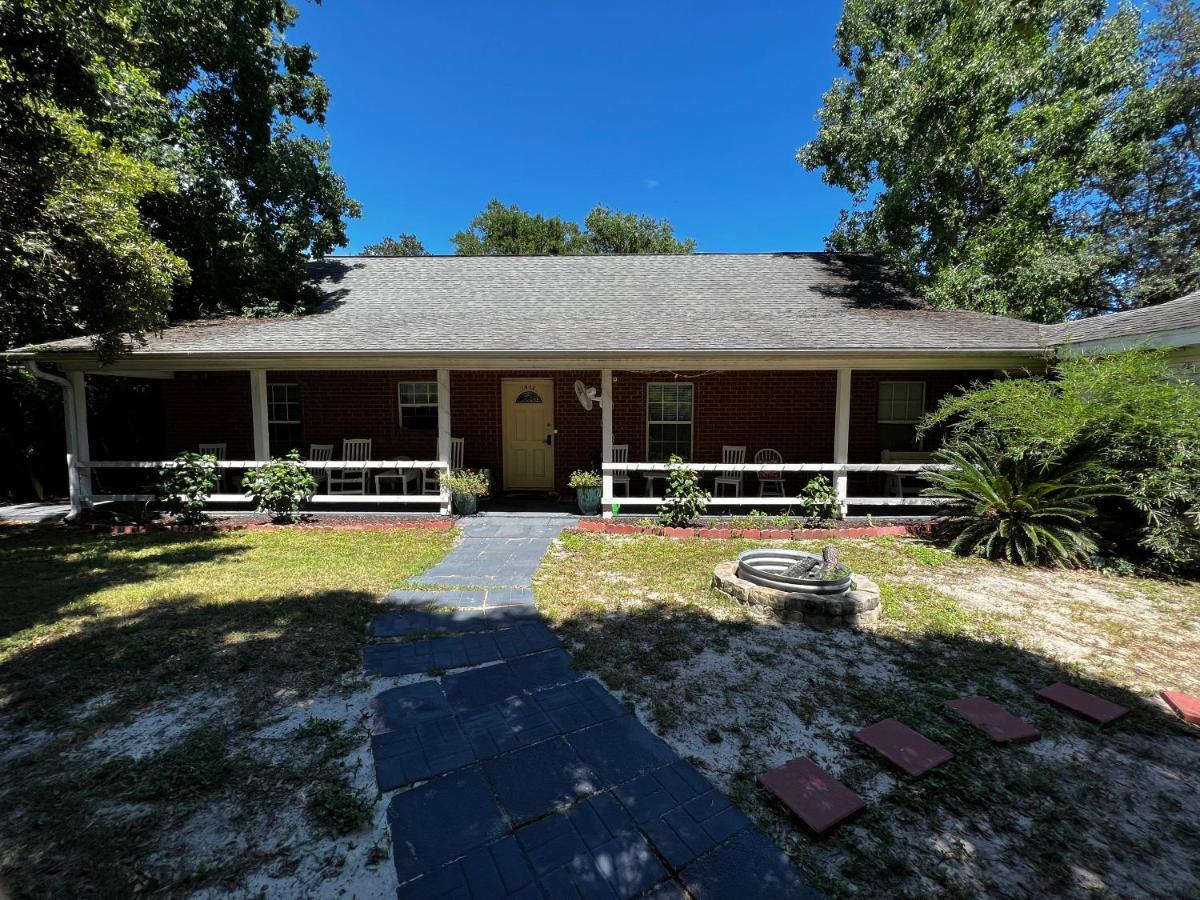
[
  {"x": 587, "y": 490},
  {"x": 466, "y": 487}
]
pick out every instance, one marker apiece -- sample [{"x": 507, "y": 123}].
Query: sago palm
[{"x": 1016, "y": 510}]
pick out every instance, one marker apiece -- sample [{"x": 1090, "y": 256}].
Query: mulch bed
[{"x": 785, "y": 534}]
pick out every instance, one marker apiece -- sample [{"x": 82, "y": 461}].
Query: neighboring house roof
[
  {"x": 1174, "y": 316},
  {"x": 793, "y": 302}
]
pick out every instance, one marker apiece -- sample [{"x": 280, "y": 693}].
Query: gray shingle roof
[
  {"x": 1170, "y": 316},
  {"x": 700, "y": 302}
]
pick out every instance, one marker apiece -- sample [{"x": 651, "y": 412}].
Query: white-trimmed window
[
  {"x": 901, "y": 405},
  {"x": 419, "y": 405},
  {"x": 668, "y": 420},
  {"x": 283, "y": 418}
]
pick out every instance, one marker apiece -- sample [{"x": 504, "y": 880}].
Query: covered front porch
[{"x": 379, "y": 437}]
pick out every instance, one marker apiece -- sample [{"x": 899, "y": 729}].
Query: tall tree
[
  {"x": 510, "y": 231},
  {"x": 959, "y": 130},
  {"x": 150, "y": 165},
  {"x": 404, "y": 245},
  {"x": 612, "y": 231},
  {"x": 1143, "y": 217}
]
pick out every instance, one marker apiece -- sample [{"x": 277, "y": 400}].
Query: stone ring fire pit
[{"x": 799, "y": 586}]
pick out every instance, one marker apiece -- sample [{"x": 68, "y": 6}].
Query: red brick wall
[
  {"x": 209, "y": 408},
  {"x": 791, "y": 412},
  {"x": 340, "y": 404}
]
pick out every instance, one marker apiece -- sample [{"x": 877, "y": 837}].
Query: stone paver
[
  {"x": 912, "y": 753},
  {"x": 814, "y": 796},
  {"x": 516, "y": 776},
  {"x": 994, "y": 720},
  {"x": 441, "y": 820},
  {"x": 1081, "y": 703}
]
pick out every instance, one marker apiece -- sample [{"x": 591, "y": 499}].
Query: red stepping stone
[
  {"x": 1186, "y": 706},
  {"x": 910, "y": 752},
  {"x": 1081, "y": 703},
  {"x": 818, "y": 799},
  {"x": 994, "y": 720}
]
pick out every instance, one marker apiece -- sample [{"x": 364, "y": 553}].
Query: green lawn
[
  {"x": 737, "y": 692},
  {"x": 196, "y": 641}
]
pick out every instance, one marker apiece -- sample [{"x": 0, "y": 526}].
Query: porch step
[
  {"x": 910, "y": 752},
  {"x": 994, "y": 720},
  {"x": 1081, "y": 703},
  {"x": 1186, "y": 706},
  {"x": 449, "y": 621},
  {"x": 419, "y": 597},
  {"x": 816, "y": 798}
]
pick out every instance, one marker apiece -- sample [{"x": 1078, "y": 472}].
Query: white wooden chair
[
  {"x": 457, "y": 450},
  {"x": 404, "y": 476},
  {"x": 217, "y": 450},
  {"x": 770, "y": 481},
  {"x": 620, "y": 454},
  {"x": 351, "y": 481},
  {"x": 894, "y": 484},
  {"x": 730, "y": 456},
  {"x": 320, "y": 453}
]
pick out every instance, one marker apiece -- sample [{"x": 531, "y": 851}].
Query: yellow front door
[{"x": 528, "y": 425}]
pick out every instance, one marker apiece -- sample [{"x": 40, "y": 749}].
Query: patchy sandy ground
[{"x": 1083, "y": 812}]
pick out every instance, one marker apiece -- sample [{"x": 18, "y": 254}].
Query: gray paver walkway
[{"x": 515, "y": 776}]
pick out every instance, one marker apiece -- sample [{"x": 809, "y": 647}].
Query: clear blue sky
[{"x": 691, "y": 111}]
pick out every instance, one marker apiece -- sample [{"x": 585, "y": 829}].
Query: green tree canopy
[
  {"x": 151, "y": 165},
  {"x": 962, "y": 131},
  {"x": 511, "y": 231},
  {"x": 404, "y": 245}
]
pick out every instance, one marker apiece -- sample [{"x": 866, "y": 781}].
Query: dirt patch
[{"x": 737, "y": 693}]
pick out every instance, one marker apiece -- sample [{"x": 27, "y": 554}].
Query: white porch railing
[
  {"x": 441, "y": 498},
  {"x": 837, "y": 470}
]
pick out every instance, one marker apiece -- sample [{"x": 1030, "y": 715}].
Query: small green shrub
[
  {"x": 338, "y": 806},
  {"x": 467, "y": 482},
  {"x": 685, "y": 499},
  {"x": 184, "y": 486},
  {"x": 581, "y": 478},
  {"x": 1007, "y": 509},
  {"x": 819, "y": 500},
  {"x": 280, "y": 488}
]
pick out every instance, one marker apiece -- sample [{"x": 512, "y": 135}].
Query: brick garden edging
[
  {"x": 782, "y": 534},
  {"x": 429, "y": 525}
]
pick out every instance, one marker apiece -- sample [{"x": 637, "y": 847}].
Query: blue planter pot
[
  {"x": 466, "y": 504},
  {"x": 588, "y": 500}
]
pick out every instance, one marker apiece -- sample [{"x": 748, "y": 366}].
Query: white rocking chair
[
  {"x": 217, "y": 450},
  {"x": 351, "y": 481},
  {"x": 457, "y": 449},
  {"x": 730, "y": 456},
  {"x": 320, "y": 453},
  {"x": 770, "y": 481},
  {"x": 620, "y": 454}
]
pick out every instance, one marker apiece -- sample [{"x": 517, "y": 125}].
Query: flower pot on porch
[
  {"x": 465, "y": 504},
  {"x": 588, "y": 499}
]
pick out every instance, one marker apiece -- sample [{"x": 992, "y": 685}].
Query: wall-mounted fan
[{"x": 587, "y": 395}]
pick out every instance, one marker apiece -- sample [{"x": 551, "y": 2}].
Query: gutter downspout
[{"x": 72, "y": 439}]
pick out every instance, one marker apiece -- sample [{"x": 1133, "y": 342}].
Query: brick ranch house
[{"x": 818, "y": 356}]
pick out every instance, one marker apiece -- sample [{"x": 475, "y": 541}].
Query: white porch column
[
  {"x": 258, "y": 413},
  {"x": 83, "y": 453},
  {"x": 443, "y": 442},
  {"x": 606, "y": 440},
  {"x": 841, "y": 435}
]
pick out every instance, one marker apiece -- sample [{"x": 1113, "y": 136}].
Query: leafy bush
[
  {"x": 467, "y": 482},
  {"x": 1011, "y": 510},
  {"x": 184, "y": 486},
  {"x": 582, "y": 478},
  {"x": 280, "y": 487},
  {"x": 819, "y": 499},
  {"x": 1132, "y": 421},
  {"x": 685, "y": 499}
]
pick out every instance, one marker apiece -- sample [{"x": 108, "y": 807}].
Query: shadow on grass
[
  {"x": 77, "y": 821},
  {"x": 1072, "y": 802},
  {"x": 44, "y": 571}
]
